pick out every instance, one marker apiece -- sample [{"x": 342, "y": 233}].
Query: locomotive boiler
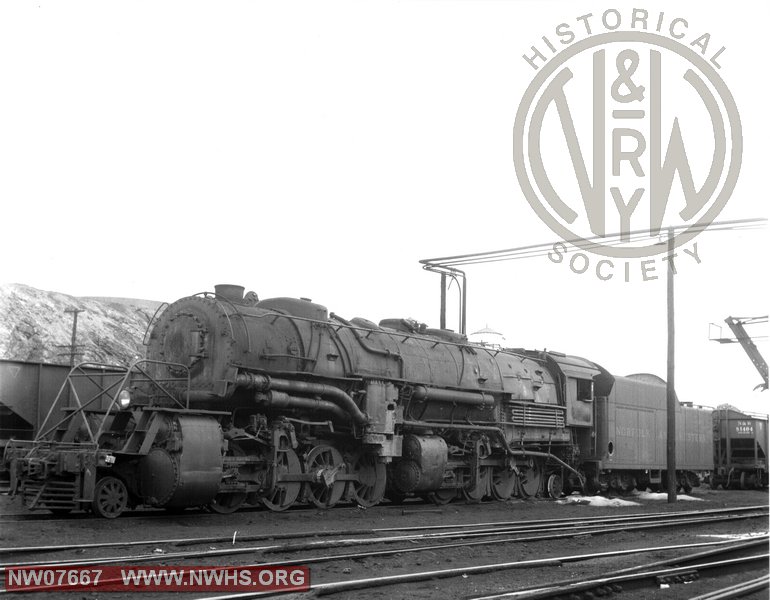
[{"x": 273, "y": 402}]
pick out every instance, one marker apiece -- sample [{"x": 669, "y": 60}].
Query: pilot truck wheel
[{"x": 110, "y": 497}]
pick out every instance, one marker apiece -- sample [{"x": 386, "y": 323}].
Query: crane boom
[{"x": 736, "y": 325}]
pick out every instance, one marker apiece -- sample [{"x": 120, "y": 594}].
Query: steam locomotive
[{"x": 274, "y": 402}]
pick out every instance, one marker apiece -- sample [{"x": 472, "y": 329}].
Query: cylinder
[
  {"x": 421, "y": 467},
  {"x": 190, "y": 476}
]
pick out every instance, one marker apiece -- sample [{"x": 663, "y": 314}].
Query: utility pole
[
  {"x": 73, "y": 346},
  {"x": 442, "y": 310},
  {"x": 670, "y": 392}
]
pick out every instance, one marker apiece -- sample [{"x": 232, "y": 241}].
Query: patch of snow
[
  {"x": 576, "y": 498},
  {"x": 596, "y": 501},
  {"x": 664, "y": 496}
]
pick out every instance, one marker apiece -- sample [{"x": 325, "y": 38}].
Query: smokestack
[{"x": 226, "y": 291}]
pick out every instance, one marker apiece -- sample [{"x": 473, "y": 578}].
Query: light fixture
[{"x": 124, "y": 399}]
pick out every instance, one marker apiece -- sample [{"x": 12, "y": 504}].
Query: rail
[{"x": 489, "y": 533}]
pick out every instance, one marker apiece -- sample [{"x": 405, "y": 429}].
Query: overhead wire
[{"x": 578, "y": 244}]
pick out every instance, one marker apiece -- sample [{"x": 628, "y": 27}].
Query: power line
[
  {"x": 447, "y": 266},
  {"x": 613, "y": 239}
]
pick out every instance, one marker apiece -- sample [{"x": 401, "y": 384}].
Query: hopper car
[{"x": 740, "y": 449}]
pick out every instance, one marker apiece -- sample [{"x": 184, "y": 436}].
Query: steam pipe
[
  {"x": 476, "y": 398},
  {"x": 275, "y": 399},
  {"x": 460, "y": 426},
  {"x": 263, "y": 383}
]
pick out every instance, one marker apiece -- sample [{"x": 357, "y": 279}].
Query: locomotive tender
[{"x": 273, "y": 402}]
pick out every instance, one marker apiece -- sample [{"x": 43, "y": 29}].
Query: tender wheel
[
  {"x": 684, "y": 485},
  {"x": 285, "y": 493},
  {"x": 110, "y": 497},
  {"x": 477, "y": 493},
  {"x": 554, "y": 485},
  {"x": 442, "y": 497},
  {"x": 530, "y": 480},
  {"x": 503, "y": 483},
  {"x": 625, "y": 484},
  {"x": 591, "y": 486},
  {"x": 372, "y": 479},
  {"x": 324, "y": 462}
]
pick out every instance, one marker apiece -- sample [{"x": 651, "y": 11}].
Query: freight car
[
  {"x": 740, "y": 449},
  {"x": 28, "y": 390},
  {"x": 274, "y": 402}
]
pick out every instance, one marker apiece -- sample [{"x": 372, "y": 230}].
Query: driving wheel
[
  {"x": 323, "y": 463},
  {"x": 372, "y": 479},
  {"x": 284, "y": 493}
]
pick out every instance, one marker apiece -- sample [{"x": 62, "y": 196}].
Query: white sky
[{"x": 320, "y": 149}]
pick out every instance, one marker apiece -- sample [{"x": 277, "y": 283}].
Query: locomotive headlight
[{"x": 124, "y": 399}]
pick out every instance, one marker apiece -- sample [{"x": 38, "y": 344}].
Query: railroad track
[
  {"x": 147, "y": 513},
  {"x": 340, "y": 547},
  {"x": 682, "y": 569},
  {"x": 447, "y": 536},
  {"x": 721, "y": 555},
  {"x": 491, "y": 527},
  {"x": 738, "y": 590},
  {"x": 651, "y": 573},
  {"x": 409, "y": 506}
]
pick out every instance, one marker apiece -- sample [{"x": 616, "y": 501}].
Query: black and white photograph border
[{"x": 414, "y": 295}]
